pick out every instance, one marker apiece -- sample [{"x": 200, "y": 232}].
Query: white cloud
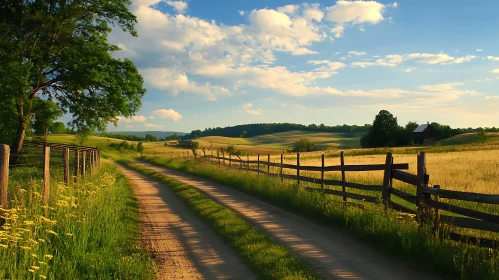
[
  {"x": 327, "y": 65},
  {"x": 338, "y": 30},
  {"x": 167, "y": 113},
  {"x": 361, "y": 28},
  {"x": 179, "y": 6},
  {"x": 248, "y": 109},
  {"x": 132, "y": 119},
  {"x": 241, "y": 13},
  {"x": 174, "y": 82},
  {"x": 440, "y": 87},
  {"x": 357, "y": 53},
  {"x": 312, "y": 12},
  {"x": 356, "y": 12},
  {"x": 393, "y": 60},
  {"x": 151, "y": 125},
  {"x": 495, "y": 71},
  {"x": 409, "y": 70},
  {"x": 151, "y": 117},
  {"x": 479, "y": 50},
  {"x": 496, "y": 58},
  {"x": 395, "y": 5}
]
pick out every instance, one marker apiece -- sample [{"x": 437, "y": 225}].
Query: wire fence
[{"x": 44, "y": 161}]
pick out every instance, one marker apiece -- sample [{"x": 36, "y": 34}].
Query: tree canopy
[
  {"x": 58, "y": 50},
  {"x": 45, "y": 113}
]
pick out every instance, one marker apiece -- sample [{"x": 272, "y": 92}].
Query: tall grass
[
  {"x": 88, "y": 231},
  {"x": 386, "y": 230}
]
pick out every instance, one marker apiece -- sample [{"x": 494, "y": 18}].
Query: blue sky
[{"x": 219, "y": 63}]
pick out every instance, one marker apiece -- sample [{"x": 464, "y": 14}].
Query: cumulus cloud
[
  {"x": 241, "y": 13},
  {"x": 496, "y": 58},
  {"x": 176, "y": 82},
  {"x": 356, "y": 12},
  {"x": 132, "y": 119},
  {"x": 248, "y": 109},
  {"x": 151, "y": 125},
  {"x": 395, "y": 5},
  {"x": 495, "y": 71},
  {"x": 479, "y": 50},
  {"x": 179, "y": 6},
  {"x": 167, "y": 114}
]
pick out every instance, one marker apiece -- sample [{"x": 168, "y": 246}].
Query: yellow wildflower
[
  {"x": 4, "y": 246},
  {"x": 33, "y": 241},
  {"x": 49, "y": 257},
  {"x": 34, "y": 255},
  {"x": 51, "y": 232},
  {"x": 41, "y": 240},
  {"x": 42, "y": 263},
  {"x": 29, "y": 223},
  {"x": 43, "y": 276},
  {"x": 31, "y": 270},
  {"x": 69, "y": 234},
  {"x": 25, "y": 248},
  {"x": 35, "y": 267}
]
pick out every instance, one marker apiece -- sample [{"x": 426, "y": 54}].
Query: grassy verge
[
  {"x": 89, "y": 231},
  {"x": 387, "y": 231},
  {"x": 268, "y": 259}
]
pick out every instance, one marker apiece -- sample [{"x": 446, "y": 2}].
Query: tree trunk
[{"x": 21, "y": 130}]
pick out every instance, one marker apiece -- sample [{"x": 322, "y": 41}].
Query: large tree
[
  {"x": 383, "y": 131},
  {"x": 58, "y": 49}
]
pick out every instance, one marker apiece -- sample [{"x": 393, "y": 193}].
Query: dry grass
[{"x": 283, "y": 141}]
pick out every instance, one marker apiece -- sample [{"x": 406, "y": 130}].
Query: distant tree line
[
  {"x": 385, "y": 131},
  {"x": 252, "y": 130},
  {"x": 130, "y": 137}
]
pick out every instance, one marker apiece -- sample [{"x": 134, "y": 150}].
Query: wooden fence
[
  {"x": 85, "y": 161},
  {"x": 426, "y": 200}
]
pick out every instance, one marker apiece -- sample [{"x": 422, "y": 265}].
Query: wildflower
[
  {"x": 51, "y": 232},
  {"x": 35, "y": 267},
  {"x": 34, "y": 255},
  {"x": 49, "y": 257},
  {"x": 41, "y": 240},
  {"x": 25, "y": 248},
  {"x": 33, "y": 241},
  {"x": 69, "y": 234},
  {"x": 29, "y": 223},
  {"x": 43, "y": 276},
  {"x": 42, "y": 263},
  {"x": 22, "y": 190},
  {"x": 31, "y": 270},
  {"x": 4, "y": 246}
]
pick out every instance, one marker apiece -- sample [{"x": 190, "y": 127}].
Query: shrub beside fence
[
  {"x": 427, "y": 198},
  {"x": 85, "y": 160}
]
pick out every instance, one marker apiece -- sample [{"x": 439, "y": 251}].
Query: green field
[{"x": 277, "y": 142}]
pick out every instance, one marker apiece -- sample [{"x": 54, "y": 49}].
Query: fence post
[
  {"x": 90, "y": 162},
  {"x": 77, "y": 164},
  {"x": 247, "y": 163},
  {"x": 258, "y": 165},
  {"x": 223, "y": 156},
  {"x": 218, "y": 157},
  {"x": 4, "y": 174},
  {"x": 66, "y": 166},
  {"x": 385, "y": 195},
  {"x": 46, "y": 174},
  {"x": 419, "y": 191},
  {"x": 268, "y": 165},
  {"x": 322, "y": 174},
  {"x": 343, "y": 175},
  {"x": 280, "y": 172},
  {"x": 83, "y": 163},
  {"x": 298, "y": 167},
  {"x": 436, "y": 219},
  {"x": 230, "y": 161}
]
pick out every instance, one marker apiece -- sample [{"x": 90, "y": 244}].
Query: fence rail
[
  {"x": 428, "y": 208},
  {"x": 86, "y": 160}
]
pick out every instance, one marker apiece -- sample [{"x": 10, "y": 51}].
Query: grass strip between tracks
[{"x": 268, "y": 259}]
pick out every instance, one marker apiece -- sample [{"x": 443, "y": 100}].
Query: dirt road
[
  {"x": 332, "y": 253},
  {"x": 182, "y": 244}
]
